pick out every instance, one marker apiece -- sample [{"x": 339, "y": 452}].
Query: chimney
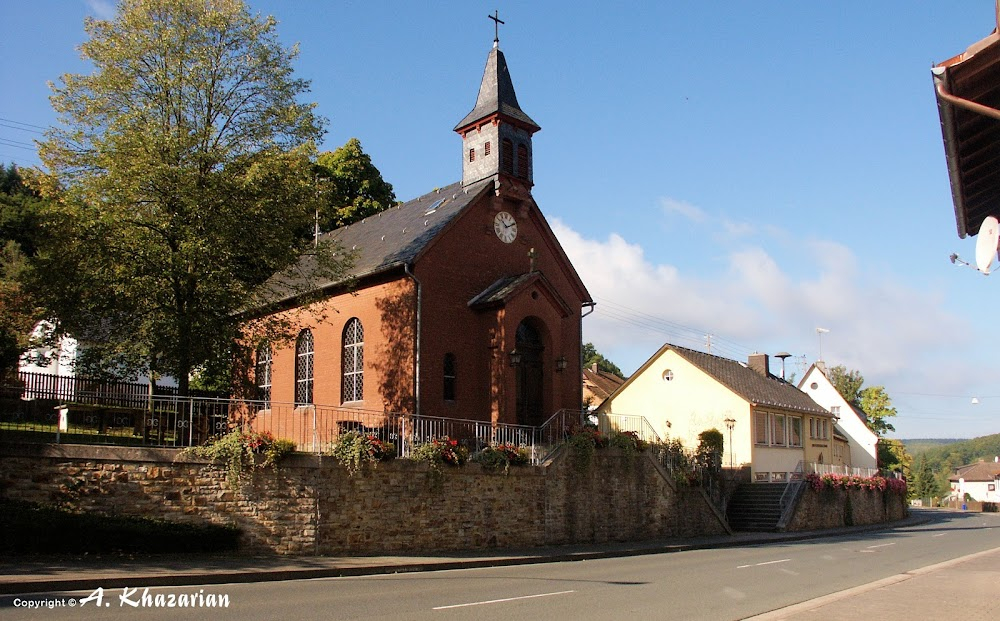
[
  {"x": 758, "y": 362},
  {"x": 821, "y": 366},
  {"x": 594, "y": 367}
]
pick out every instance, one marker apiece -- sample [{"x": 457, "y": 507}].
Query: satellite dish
[{"x": 986, "y": 245}]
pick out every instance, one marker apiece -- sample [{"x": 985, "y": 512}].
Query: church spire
[{"x": 496, "y": 135}]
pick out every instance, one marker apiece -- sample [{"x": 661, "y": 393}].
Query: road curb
[{"x": 84, "y": 583}]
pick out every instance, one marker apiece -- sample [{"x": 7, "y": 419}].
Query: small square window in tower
[
  {"x": 486, "y": 148},
  {"x": 472, "y": 155}
]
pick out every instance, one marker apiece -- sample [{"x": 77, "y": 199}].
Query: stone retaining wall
[
  {"x": 311, "y": 505},
  {"x": 835, "y": 508}
]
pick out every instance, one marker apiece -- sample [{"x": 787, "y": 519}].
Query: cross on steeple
[{"x": 496, "y": 25}]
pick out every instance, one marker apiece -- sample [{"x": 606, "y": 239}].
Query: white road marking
[
  {"x": 784, "y": 560},
  {"x": 497, "y": 601},
  {"x": 939, "y": 535},
  {"x": 881, "y": 545}
]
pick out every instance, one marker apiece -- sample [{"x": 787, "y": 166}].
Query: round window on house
[
  {"x": 668, "y": 375},
  {"x": 813, "y": 386}
]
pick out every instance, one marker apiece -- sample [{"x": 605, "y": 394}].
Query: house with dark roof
[
  {"x": 598, "y": 385},
  {"x": 768, "y": 424},
  {"x": 980, "y": 480},
  {"x": 460, "y": 303},
  {"x": 849, "y": 421}
]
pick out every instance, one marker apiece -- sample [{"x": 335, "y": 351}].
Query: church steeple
[{"x": 496, "y": 135}]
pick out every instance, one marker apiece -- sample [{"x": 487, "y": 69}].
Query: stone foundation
[{"x": 312, "y": 505}]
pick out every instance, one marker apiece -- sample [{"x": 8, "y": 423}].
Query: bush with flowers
[
  {"x": 242, "y": 451},
  {"x": 820, "y": 482},
  {"x": 502, "y": 457},
  {"x": 441, "y": 451},
  {"x": 354, "y": 449}
]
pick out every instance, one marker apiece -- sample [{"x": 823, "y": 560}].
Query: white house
[
  {"x": 979, "y": 480},
  {"x": 58, "y": 357},
  {"x": 851, "y": 421}
]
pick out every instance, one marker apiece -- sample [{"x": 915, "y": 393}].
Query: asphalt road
[{"x": 731, "y": 583}]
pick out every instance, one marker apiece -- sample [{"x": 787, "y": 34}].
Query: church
[{"x": 460, "y": 303}]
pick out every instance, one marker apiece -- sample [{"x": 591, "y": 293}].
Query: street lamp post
[{"x": 730, "y": 423}]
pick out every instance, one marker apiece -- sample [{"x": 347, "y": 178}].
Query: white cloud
[
  {"x": 895, "y": 334},
  {"x": 102, "y": 9},
  {"x": 687, "y": 210}
]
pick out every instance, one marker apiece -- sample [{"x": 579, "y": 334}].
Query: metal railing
[
  {"x": 172, "y": 421},
  {"x": 619, "y": 423},
  {"x": 821, "y": 469}
]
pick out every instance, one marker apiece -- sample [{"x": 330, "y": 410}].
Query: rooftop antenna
[
  {"x": 782, "y": 355},
  {"x": 821, "y": 332},
  {"x": 986, "y": 244}
]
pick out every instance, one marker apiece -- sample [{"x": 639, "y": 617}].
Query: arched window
[
  {"x": 522, "y": 161},
  {"x": 507, "y": 156},
  {"x": 353, "y": 386},
  {"x": 450, "y": 369},
  {"x": 262, "y": 373},
  {"x": 304, "y": 368}
]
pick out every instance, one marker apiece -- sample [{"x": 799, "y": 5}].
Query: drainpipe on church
[
  {"x": 579, "y": 380},
  {"x": 416, "y": 341}
]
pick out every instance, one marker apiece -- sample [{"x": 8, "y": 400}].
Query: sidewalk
[{"x": 19, "y": 575}]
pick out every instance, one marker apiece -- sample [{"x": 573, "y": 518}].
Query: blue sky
[{"x": 751, "y": 171}]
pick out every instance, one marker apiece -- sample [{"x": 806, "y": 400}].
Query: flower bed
[{"x": 842, "y": 481}]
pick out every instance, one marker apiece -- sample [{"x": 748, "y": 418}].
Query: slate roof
[
  {"x": 747, "y": 383},
  {"x": 496, "y": 94},
  {"x": 396, "y": 236},
  {"x": 979, "y": 471}
]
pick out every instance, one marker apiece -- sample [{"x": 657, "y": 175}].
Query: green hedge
[{"x": 28, "y": 528}]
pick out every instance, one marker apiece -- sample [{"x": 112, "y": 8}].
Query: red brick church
[{"x": 462, "y": 303}]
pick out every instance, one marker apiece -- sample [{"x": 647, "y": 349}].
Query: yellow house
[{"x": 767, "y": 423}]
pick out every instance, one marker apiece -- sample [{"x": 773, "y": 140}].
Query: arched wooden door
[{"x": 530, "y": 375}]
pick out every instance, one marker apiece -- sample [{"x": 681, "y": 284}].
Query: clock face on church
[{"x": 505, "y": 226}]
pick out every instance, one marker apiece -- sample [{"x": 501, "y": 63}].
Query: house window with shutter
[{"x": 760, "y": 428}]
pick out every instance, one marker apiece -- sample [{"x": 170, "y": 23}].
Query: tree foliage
[
  {"x": 873, "y": 400},
  {"x": 848, "y": 383},
  {"x": 184, "y": 176},
  {"x": 352, "y": 188},
  {"x": 19, "y": 229},
  {"x": 877, "y": 406},
  {"x": 591, "y": 356}
]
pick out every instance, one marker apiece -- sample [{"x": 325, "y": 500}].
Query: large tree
[
  {"x": 352, "y": 187},
  {"x": 848, "y": 383},
  {"x": 591, "y": 356},
  {"x": 872, "y": 400},
  {"x": 19, "y": 231},
  {"x": 183, "y": 167}
]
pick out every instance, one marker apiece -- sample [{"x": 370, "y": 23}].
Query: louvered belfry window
[
  {"x": 304, "y": 368},
  {"x": 507, "y": 156},
  {"x": 353, "y": 386},
  {"x": 522, "y": 161}
]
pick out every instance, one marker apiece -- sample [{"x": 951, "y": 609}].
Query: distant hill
[
  {"x": 943, "y": 457},
  {"x": 915, "y": 447}
]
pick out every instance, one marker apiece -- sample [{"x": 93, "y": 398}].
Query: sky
[{"x": 725, "y": 176}]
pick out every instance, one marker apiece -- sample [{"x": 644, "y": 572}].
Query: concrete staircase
[{"x": 755, "y": 507}]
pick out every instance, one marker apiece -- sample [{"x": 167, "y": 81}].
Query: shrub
[
  {"x": 502, "y": 457},
  {"x": 242, "y": 451},
  {"x": 628, "y": 441},
  {"x": 441, "y": 451},
  {"x": 353, "y": 450}
]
